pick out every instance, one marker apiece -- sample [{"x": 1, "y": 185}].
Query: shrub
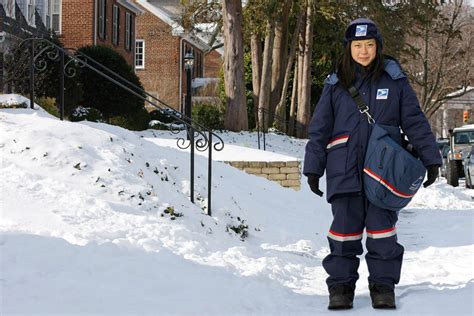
[
  {"x": 83, "y": 113},
  {"x": 49, "y": 105},
  {"x": 104, "y": 95},
  {"x": 208, "y": 115},
  {"x": 136, "y": 121},
  {"x": 162, "y": 115},
  {"x": 13, "y": 105},
  {"x": 158, "y": 125}
]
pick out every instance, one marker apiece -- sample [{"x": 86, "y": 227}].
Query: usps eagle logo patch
[
  {"x": 382, "y": 94},
  {"x": 361, "y": 30}
]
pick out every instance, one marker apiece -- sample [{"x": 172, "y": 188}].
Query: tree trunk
[
  {"x": 299, "y": 71},
  {"x": 236, "y": 110},
  {"x": 294, "y": 98},
  {"x": 256, "y": 51},
  {"x": 280, "y": 55},
  {"x": 265, "y": 84},
  {"x": 303, "y": 113},
  {"x": 281, "y": 107}
]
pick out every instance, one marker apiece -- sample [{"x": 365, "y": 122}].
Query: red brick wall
[
  {"x": 77, "y": 27},
  {"x": 212, "y": 64},
  {"x": 120, "y": 47},
  {"x": 160, "y": 76},
  {"x": 77, "y": 23}
]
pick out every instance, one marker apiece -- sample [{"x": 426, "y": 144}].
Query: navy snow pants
[{"x": 384, "y": 255}]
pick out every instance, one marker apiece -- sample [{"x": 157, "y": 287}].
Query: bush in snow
[
  {"x": 83, "y": 113},
  {"x": 162, "y": 115},
  {"x": 208, "y": 115},
  {"x": 110, "y": 99},
  {"x": 136, "y": 121},
  {"x": 13, "y": 105},
  {"x": 49, "y": 105}
]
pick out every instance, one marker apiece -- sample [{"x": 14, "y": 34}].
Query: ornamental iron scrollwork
[{"x": 197, "y": 136}]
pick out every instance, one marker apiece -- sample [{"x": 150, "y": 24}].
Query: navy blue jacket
[{"x": 338, "y": 132}]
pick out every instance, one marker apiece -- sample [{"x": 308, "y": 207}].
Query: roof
[
  {"x": 169, "y": 11},
  {"x": 469, "y": 127},
  {"x": 131, "y": 6},
  {"x": 455, "y": 93}
]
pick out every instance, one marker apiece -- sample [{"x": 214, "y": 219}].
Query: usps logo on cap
[
  {"x": 382, "y": 94},
  {"x": 361, "y": 30}
]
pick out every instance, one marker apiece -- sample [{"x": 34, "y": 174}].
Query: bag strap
[{"x": 363, "y": 108}]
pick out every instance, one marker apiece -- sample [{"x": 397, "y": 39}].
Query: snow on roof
[
  {"x": 131, "y": 6},
  {"x": 455, "y": 93},
  {"x": 169, "y": 10},
  {"x": 464, "y": 127},
  {"x": 162, "y": 15}
]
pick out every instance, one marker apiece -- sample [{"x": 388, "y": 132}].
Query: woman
[{"x": 338, "y": 141}]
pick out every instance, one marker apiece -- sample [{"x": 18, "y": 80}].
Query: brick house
[
  {"x": 97, "y": 22},
  {"x": 20, "y": 19},
  {"x": 160, "y": 49}
]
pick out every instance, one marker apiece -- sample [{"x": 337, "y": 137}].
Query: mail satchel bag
[{"x": 391, "y": 174}]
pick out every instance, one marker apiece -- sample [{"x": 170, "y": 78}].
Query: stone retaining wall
[{"x": 286, "y": 173}]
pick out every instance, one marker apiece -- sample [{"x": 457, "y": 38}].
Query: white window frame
[
  {"x": 57, "y": 13},
  {"x": 30, "y": 12},
  {"x": 115, "y": 24},
  {"x": 140, "y": 45},
  {"x": 128, "y": 31},
  {"x": 9, "y": 6}
]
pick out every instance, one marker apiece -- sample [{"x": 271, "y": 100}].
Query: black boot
[
  {"x": 383, "y": 296},
  {"x": 341, "y": 296}
]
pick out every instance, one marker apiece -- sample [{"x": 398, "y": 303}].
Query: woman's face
[{"x": 363, "y": 51}]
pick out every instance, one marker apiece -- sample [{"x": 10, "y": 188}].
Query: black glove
[
  {"x": 313, "y": 181},
  {"x": 433, "y": 172}
]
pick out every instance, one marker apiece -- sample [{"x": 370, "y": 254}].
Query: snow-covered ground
[{"x": 86, "y": 229}]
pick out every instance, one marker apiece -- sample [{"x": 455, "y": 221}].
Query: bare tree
[
  {"x": 304, "y": 101},
  {"x": 281, "y": 106},
  {"x": 265, "y": 82},
  {"x": 438, "y": 56},
  {"x": 279, "y": 56},
  {"x": 256, "y": 55},
  {"x": 236, "y": 110},
  {"x": 294, "y": 97}
]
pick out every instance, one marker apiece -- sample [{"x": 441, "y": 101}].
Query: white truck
[{"x": 461, "y": 140}]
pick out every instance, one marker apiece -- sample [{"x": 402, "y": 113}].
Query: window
[
  {"x": 55, "y": 9},
  {"x": 44, "y": 10},
  {"x": 115, "y": 24},
  {"x": 463, "y": 137},
  {"x": 139, "y": 54},
  {"x": 128, "y": 31},
  {"x": 102, "y": 12},
  {"x": 31, "y": 12},
  {"x": 9, "y": 6},
  {"x": 47, "y": 14}
]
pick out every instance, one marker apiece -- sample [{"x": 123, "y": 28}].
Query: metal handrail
[
  {"x": 263, "y": 130},
  {"x": 199, "y": 136}
]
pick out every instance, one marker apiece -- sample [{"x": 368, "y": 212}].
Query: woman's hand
[{"x": 313, "y": 181}]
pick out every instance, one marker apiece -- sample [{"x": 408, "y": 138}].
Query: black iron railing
[
  {"x": 262, "y": 115},
  {"x": 38, "y": 50}
]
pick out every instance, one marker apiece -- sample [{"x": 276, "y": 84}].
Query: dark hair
[{"x": 346, "y": 66}]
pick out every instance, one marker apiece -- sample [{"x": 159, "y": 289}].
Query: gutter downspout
[
  {"x": 181, "y": 75},
  {"x": 132, "y": 44}
]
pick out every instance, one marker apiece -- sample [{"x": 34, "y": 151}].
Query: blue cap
[{"x": 361, "y": 29}]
